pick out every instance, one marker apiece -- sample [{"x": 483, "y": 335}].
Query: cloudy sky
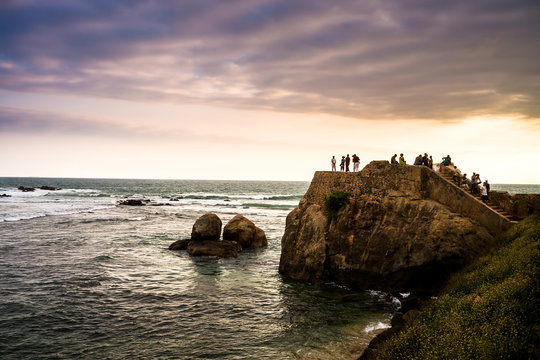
[{"x": 266, "y": 89}]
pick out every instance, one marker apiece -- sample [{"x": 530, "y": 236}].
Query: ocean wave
[
  {"x": 16, "y": 193},
  {"x": 50, "y": 212},
  {"x": 270, "y": 206},
  {"x": 140, "y": 218}
]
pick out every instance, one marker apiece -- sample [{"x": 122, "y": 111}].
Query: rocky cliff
[{"x": 403, "y": 228}]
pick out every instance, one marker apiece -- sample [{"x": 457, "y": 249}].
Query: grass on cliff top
[
  {"x": 333, "y": 202},
  {"x": 488, "y": 311}
]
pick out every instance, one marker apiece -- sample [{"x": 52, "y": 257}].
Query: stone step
[{"x": 497, "y": 209}]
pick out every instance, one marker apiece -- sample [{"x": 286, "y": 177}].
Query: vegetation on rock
[
  {"x": 488, "y": 311},
  {"x": 333, "y": 202}
]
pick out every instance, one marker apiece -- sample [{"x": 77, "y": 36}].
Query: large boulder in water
[
  {"x": 207, "y": 227},
  {"x": 222, "y": 249},
  {"x": 243, "y": 231}
]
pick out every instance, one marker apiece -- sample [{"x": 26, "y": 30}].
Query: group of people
[
  {"x": 474, "y": 185},
  {"x": 346, "y": 162},
  {"x": 424, "y": 160}
]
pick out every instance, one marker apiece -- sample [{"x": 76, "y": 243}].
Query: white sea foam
[
  {"x": 376, "y": 293},
  {"x": 16, "y": 193},
  {"x": 203, "y": 195},
  {"x": 376, "y": 326},
  {"x": 141, "y": 218},
  {"x": 32, "y": 211}
]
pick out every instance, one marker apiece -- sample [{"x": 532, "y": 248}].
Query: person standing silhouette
[
  {"x": 333, "y": 163},
  {"x": 347, "y": 162},
  {"x": 356, "y": 162}
]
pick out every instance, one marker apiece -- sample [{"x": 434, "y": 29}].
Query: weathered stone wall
[
  {"x": 515, "y": 204},
  {"x": 463, "y": 203},
  {"x": 412, "y": 180}
]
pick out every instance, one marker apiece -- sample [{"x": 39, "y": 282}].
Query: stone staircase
[{"x": 503, "y": 214}]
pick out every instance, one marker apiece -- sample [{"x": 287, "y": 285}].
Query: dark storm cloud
[{"x": 368, "y": 59}]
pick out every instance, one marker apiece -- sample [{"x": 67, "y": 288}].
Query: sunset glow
[{"x": 266, "y": 89}]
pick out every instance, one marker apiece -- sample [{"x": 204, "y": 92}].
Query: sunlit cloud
[
  {"x": 280, "y": 85},
  {"x": 404, "y": 59}
]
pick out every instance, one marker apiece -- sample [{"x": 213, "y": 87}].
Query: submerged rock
[
  {"x": 134, "y": 202},
  {"x": 219, "y": 248},
  {"x": 4, "y": 195},
  {"x": 50, "y": 188},
  {"x": 179, "y": 244},
  {"x": 207, "y": 227},
  {"x": 243, "y": 231}
]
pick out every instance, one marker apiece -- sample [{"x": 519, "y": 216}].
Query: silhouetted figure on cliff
[
  {"x": 393, "y": 159},
  {"x": 418, "y": 160},
  {"x": 447, "y": 160},
  {"x": 484, "y": 192},
  {"x": 465, "y": 183},
  {"x": 356, "y": 163},
  {"x": 347, "y": 162},
  {"x": 402, "y": 159},
  {"x": 342, "y": 164},
  {"x": 475, "y": 184},
  {"x": 333, "y": 162},
  {"x": 425, "y": 160}
]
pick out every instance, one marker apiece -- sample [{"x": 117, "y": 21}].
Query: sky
[{"x": 267, "y": 89}]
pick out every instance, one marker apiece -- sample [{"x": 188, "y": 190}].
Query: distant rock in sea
[
  {"x": 4, "y": 195},
  {"x": 26, "y": 189},
  {"x": 50, "y": 188},
  {"x": 134, "y": 202}
]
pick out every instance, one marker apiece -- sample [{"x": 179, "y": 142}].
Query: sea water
[{"x": 83, "y": 277}]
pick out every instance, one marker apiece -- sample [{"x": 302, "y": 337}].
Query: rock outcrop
[
  {"x": 239, "y": 233},
  {"x": 244, "y": 232},
  {"x": 403, "y": 228},
  {"x": 207, "y": 227}
]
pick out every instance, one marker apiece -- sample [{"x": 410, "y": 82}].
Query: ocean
[{"x": 83, "y": 277}]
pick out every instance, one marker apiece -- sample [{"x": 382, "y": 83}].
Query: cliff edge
[{"x": 403, "y": 228}]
